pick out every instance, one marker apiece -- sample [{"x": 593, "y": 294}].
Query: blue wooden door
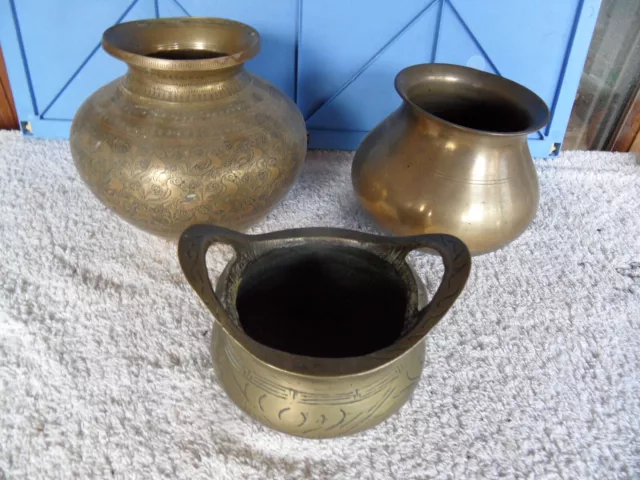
[
  {"x": 350, "y": 52},
  {"x": 55, "y": 60},
  {"x": 276, "y": 20},
  {"x": 336, "y": 58}
]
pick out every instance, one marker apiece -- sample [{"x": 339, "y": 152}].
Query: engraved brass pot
[
  {"x": 320, "y": 332},
  {"x": 453, "y": 158},
  {"x": 187, "y": 135}
]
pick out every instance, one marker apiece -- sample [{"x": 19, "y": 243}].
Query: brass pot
[
  {"x": 320, "y": 332},
  {"x": 453, "y": 158},
  {"x": 187, "y": 135}
]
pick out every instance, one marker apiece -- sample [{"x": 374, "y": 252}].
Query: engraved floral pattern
[{"x": 163, "y": 166}]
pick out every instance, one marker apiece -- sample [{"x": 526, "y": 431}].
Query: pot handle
[
  {"x": 192, "y": 250},
  {"x": 457, "y": 266},
  {"x": 196, "y": 240}
]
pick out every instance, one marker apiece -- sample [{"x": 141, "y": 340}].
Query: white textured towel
[{"x": 104, "y": 348}]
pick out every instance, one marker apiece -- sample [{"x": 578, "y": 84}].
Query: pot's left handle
[{"x": 192, "y": 250}]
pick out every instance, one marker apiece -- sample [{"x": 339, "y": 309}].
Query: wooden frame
[
  {"x": 8, "y": 115},
  {"x": 626, "y": 138}
]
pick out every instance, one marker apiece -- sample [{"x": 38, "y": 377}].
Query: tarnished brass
[
  {"x": 320, "y": 332},
  {"x": 453, "y": 158},
  {"x": 187, "y": 135}
]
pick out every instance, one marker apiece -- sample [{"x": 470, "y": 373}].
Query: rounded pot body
[
  {"x": 453, "y": 158},
  {"x": 288, "y": 385},
  {"x": 187, "y": 135},
  {"x": 309, "y": 405}
]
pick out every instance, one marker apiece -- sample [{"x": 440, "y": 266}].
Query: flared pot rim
[
  {"x": 134, "y": 42},
  {"x": 523, "y": 97}
]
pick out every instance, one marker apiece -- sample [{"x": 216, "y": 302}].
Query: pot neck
[{"x": 185, "y": 86}]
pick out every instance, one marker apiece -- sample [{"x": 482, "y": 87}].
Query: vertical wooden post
[{"x": 8, "y": 115}]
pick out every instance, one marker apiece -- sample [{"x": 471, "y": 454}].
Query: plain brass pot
[
  {"x": 453, "y": 158},
  {"x": 320, "y": 332},
  {"x": 187, "y": 135}
]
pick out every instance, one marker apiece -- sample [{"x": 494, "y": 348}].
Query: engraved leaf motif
[{"x": 150, "y": 163}]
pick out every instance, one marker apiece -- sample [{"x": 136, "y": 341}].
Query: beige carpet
[{"x": 105, "y": 369}]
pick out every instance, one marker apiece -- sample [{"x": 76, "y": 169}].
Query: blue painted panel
[
  {"x": 542, "y": 46},
  {"x": 353, "y": 93},
  {"x": 277, "y": 22},
  {"x": 98, "y": 69},
  {"x": 337, "y": 59},
  {"x": 54, "y": 54},
  {"x": 55, "y": 60}
]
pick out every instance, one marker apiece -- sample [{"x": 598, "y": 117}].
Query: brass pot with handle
[{"x": 319, "y": 332}]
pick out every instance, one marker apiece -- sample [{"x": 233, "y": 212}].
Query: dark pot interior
[
  {"x": 186, "y": 54},
  {"x": 322, "y": 301},
  {"x": 477, "y": 110},
  {"x": 472, "y": 99}
]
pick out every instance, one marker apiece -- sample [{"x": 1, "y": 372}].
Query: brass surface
[
  {"x": 187, "y": 135},
  {"x": 319, "y": 396},
  {"x": 453, "y": 158}
]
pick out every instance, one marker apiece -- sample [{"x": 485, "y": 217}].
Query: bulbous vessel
[
  {"x": 453, "y": 158},
  {"x": 187, "y": 135}
]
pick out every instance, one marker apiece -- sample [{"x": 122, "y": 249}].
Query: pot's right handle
[
  {"x": 192, "y": 250},
  {"x": 457, "y": 265}
]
